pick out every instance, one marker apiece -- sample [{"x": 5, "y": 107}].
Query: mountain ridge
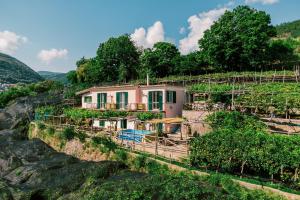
[{"x": 14, "y": 71}]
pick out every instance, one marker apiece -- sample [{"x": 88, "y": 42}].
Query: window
[
  {"x": 155, "y": 100},
  {"x": 101, "y": 123},
  {"x": 101, "y": 100},
  {"x": 124, "y": 123},
  {"x": 171, "y": 96},
  {"x": 87, "y": 99},
  {"x": 122, "y": 100}
]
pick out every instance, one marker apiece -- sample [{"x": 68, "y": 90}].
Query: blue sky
[{"x": 52, "y": 34}]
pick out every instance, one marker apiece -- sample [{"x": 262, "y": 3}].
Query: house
[{"x": 167, "y": 99}]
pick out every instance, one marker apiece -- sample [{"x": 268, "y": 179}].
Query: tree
[
  {"x": 82, "y": 61},
  {"x": 90, "y": 71},
  {"x": 238, "y": 39},
  {"x": 161, "y": 60},
  {"x": 72, "y": 77},
  {"x": 192, "y": 64},
  {"x": 118, "y": 55},
  {"x": 282, "y": 52}
]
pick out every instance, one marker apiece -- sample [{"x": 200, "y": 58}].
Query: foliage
[
  {"x": 290, "y": 28},
  {"x": 105, "y": 144},
  {"x": 55, "y": 76},
  {"x": 27, "y": 90},
  {"x": 72, "y": 77},
  {"x": 13, "y": 71},
  {"x": 118, "y": 55},
  {"x": 240, "y": 144},
  {"x": 81, "y": 136},
  {"x": 159, "y": 61},
  {"x": 173, "y": 186},
  {"x": 81, "y": 114},
  {"x": 68, "y": 133},
  {"x": 238, "y": 39},
  {"x": 121, "y": 155},
  {"x": 282, "y": 96},
  {"x": 144, "y": 116},
  {"x": 139, "y": 162}
]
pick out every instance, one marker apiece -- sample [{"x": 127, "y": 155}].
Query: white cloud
[
  {"x": 147, "y": 39},
  {"x": 261, "y": 1},
  {"x": 47, "y": 56},
  {"x": 182, "y": 30},
  {"x": 10, "y": 41},
  {"x": 197, "y": 25}
]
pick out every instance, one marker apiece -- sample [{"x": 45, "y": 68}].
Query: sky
[{"x": 51, "y": 35}]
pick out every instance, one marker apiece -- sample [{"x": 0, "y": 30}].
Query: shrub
[
  {"x": 139, "y": 162},
  {"x": 121, "y": 155},
  {"x": 50, "y": 130},
  {"x": 68, "y": 133},
  {"x": 81, "y": 136},
  {"x": 104, "y": 143},
  {"x": 41, "y": 126}
]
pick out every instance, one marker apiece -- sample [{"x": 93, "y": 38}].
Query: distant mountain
[
  {"x": 289, "y": 29},
  {"x": 56, "y": 76},
  {"x": 14, "y": 71}
]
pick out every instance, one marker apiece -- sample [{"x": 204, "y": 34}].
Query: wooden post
[
  {"x": 156, "y": 140},
  {"x": 232, "y": 97}
]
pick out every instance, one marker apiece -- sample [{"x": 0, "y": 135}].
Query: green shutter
[
  {"x": 118, "y": 100},
  {"x": 101, "y": 123},
  {"x": 98, "y": 100},
  {"x": 124, "y": 123},
  {"x": 105, "y": 98},
  {"x": 126, "y": 98},
  {"x": 168, "y": 96},
  {"x": 174, "y": 96},
  {"x": 160, "y": 100},
  {"x": 149, "y": 100}
]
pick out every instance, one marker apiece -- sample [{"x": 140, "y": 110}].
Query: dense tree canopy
[
  {"x": 161, "y": 60},
  {"x": 118, "y": 59},
  {"x": 241, "y": 40},
  {"x": 238, "y": 39}
]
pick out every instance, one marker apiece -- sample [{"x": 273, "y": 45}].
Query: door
[
  {"x": 101, "y": 100},
  {"x": 155, "y": 99}
]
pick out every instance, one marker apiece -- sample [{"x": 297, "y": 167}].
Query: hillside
[
  {"x": 14, "y": 71},
  {"x": 55, "y": 76},
  {"x": 289, "y": 29}
]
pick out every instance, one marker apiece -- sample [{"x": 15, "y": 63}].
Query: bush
[
  {"x": 50, "y": 130},
  {"x": 240, "y": 144},
  {"x": 81, "y": 136},
  {"x": 121, "y": 155},
  {"x": 68, "y": 133},
  {"x": 28, "y": 90},
  {"x": 41, "y": 126},
  {"x": 104, "y": 143},
  {"x": 139, "y": 162}
]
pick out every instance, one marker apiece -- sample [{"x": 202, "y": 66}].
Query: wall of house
[
  {"x": 144, "y": 93},
  {"x": 175, "y": 109},
  {"x": 107, "y": 124},
  {"x": 111, "y": 98}
]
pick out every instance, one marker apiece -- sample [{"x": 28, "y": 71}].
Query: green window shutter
[
  {"x": 160, "y": 100},
  {"x": 126, "y": 98},
  {"x": 149, "y": 100},
  {"x": 98, "y": 100},
  {"x": 124, "y": 123},
  {"x": 101, "y": 123},
  {"x": 168, "y": 96},
  {"x": 105, "y": 98},
  {"x": 118, "y": 100},
  {"x": 174, "y": 96}
]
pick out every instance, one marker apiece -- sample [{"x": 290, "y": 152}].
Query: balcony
[{"x": 113, "y": 106}]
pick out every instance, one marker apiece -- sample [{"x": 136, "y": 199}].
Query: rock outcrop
[{"x": 30, "y": 169}]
